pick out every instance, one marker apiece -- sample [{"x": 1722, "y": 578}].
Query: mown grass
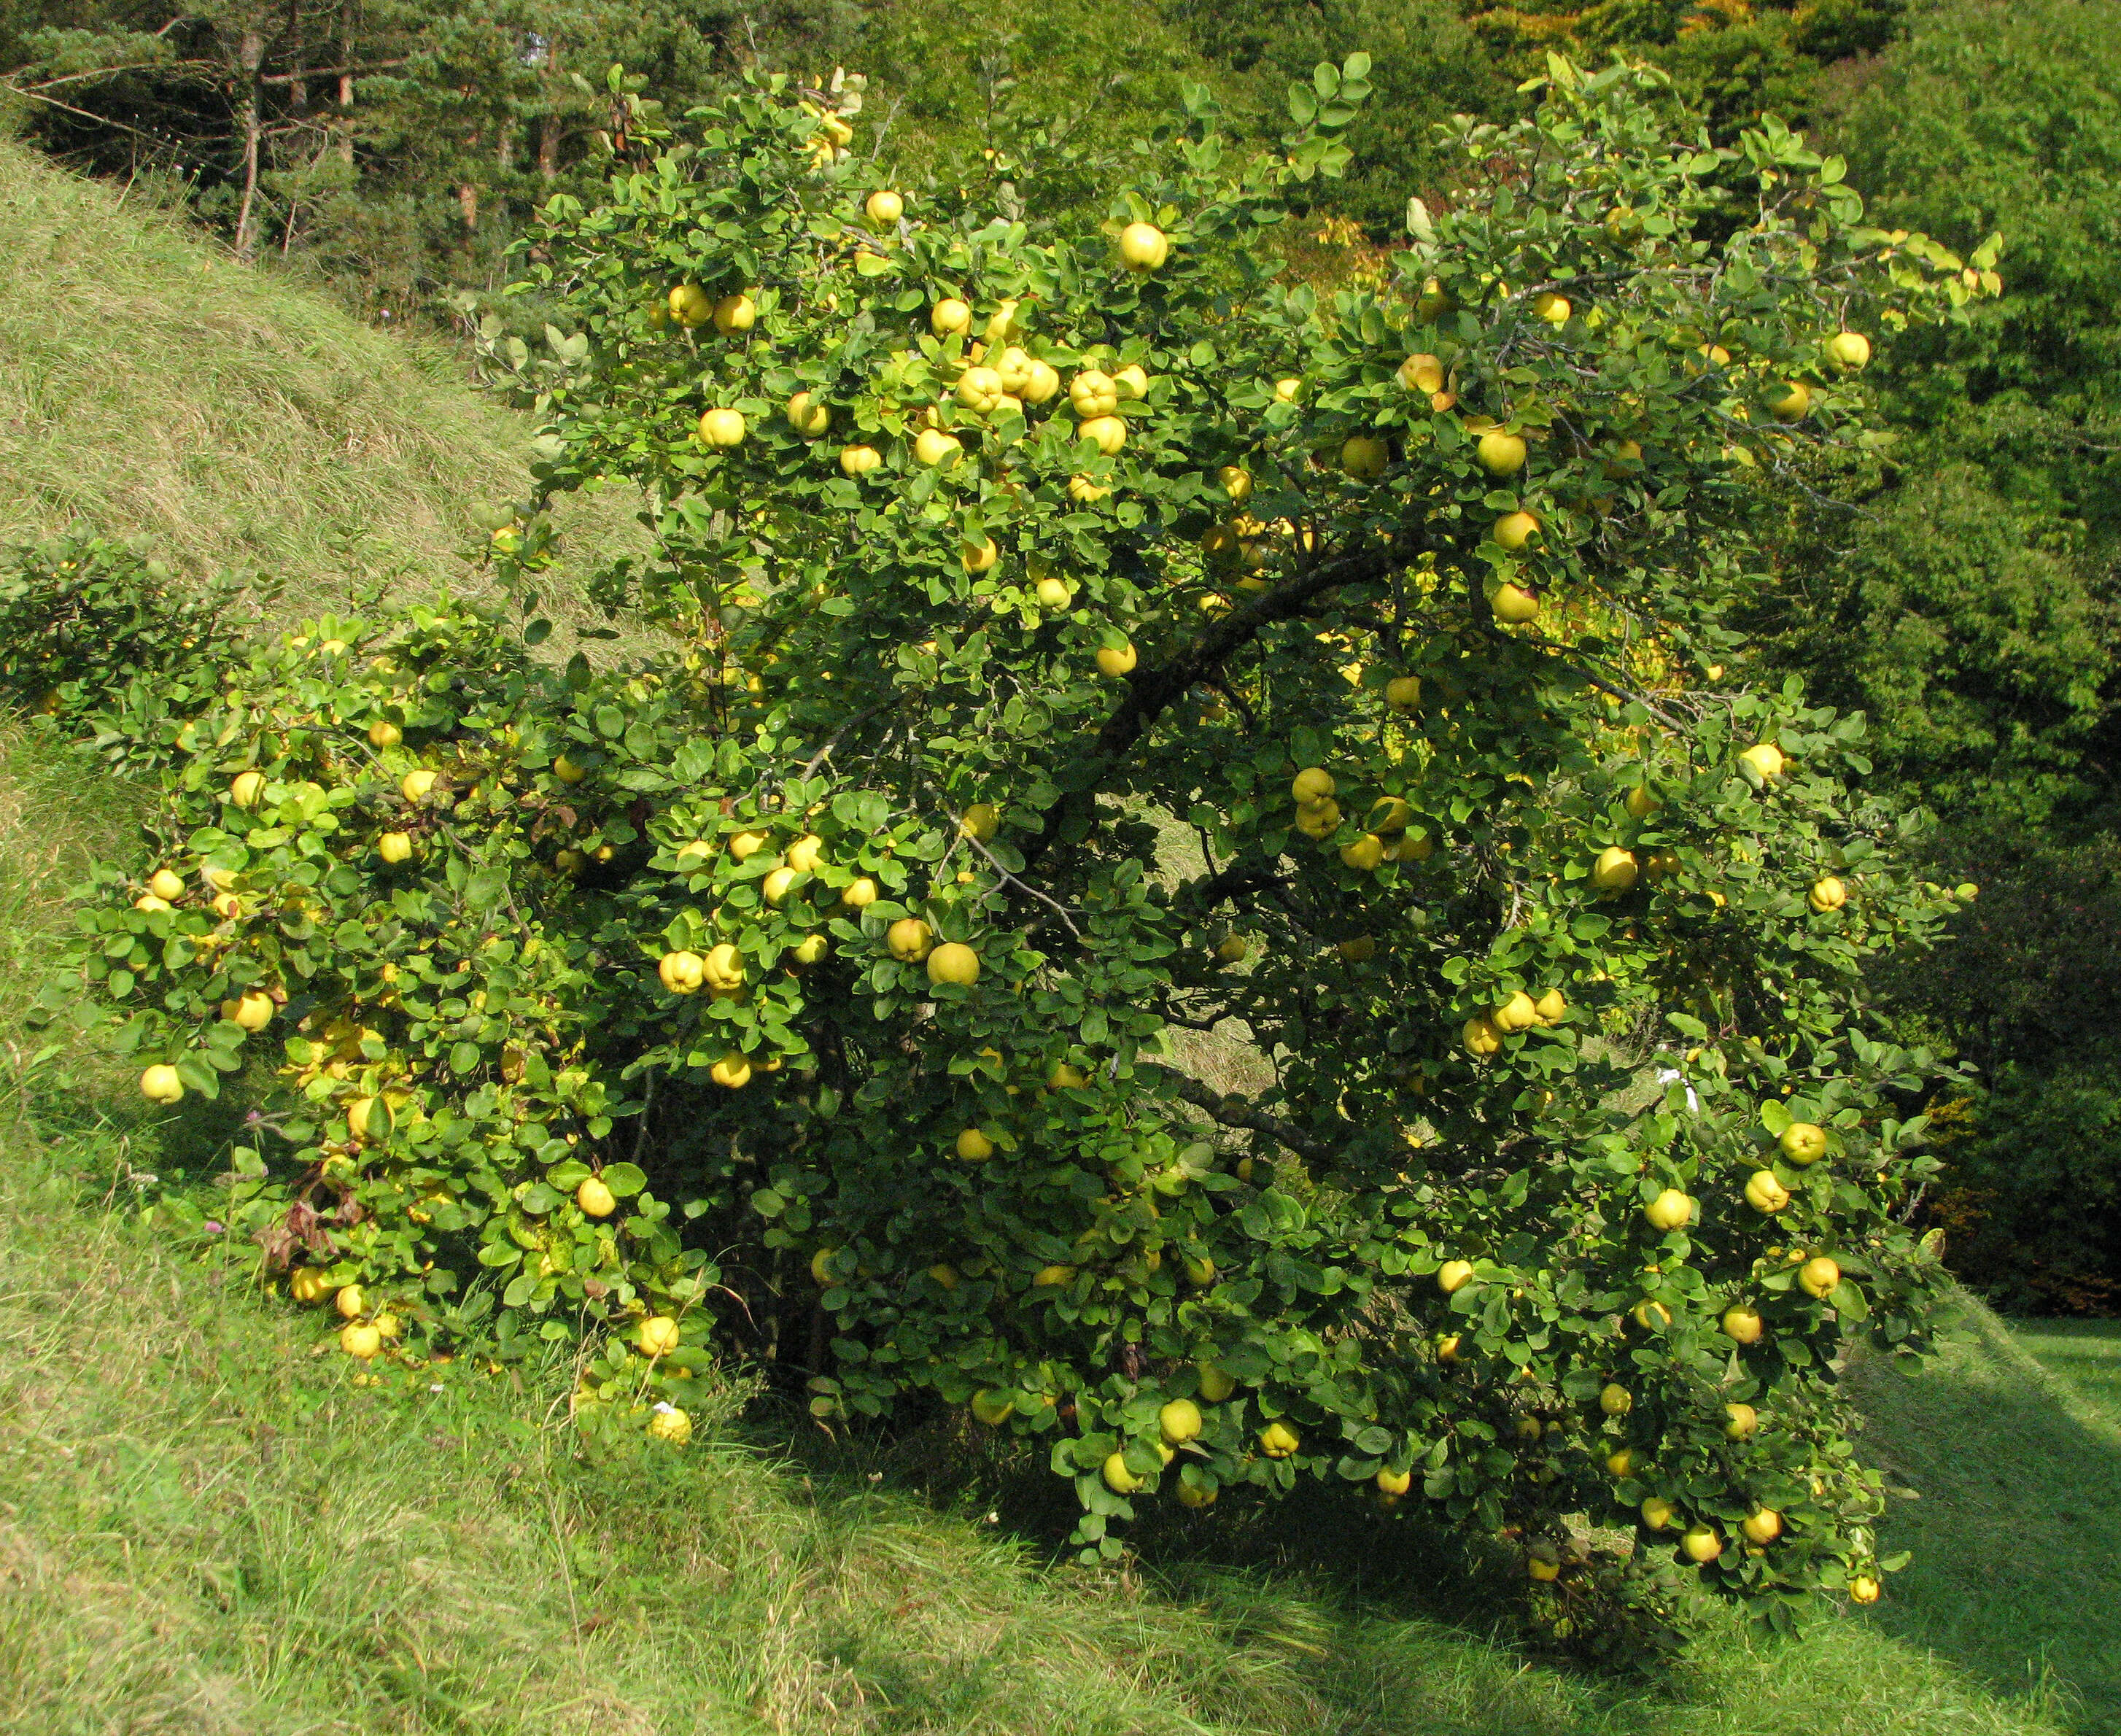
[
  {"x": 152, "y": 385},
  {"x": 210, "y": 1522}
]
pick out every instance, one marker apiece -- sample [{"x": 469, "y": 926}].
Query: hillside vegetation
[
  {"x": 155, "y": 387},
  {"x": 212, "y": 1524},
  {"x": 207, "y": 1526}
]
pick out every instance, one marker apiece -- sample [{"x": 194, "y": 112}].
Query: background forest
[{"x": 1957, "y": 586}]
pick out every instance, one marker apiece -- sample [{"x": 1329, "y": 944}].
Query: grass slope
[
  {"x": 210, "y": 1522},
  {"x": 150, "y": 384}
]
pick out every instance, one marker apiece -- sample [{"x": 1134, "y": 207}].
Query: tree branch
[
  {"x": 1150, "y": 692},
  {"x": 1224, "y": 1110}
]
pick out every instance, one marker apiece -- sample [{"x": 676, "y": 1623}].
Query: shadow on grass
[{"x": 2015, "y": 1525}]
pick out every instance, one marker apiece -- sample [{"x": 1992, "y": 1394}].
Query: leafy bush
[
  {"x": 848, "y": 936},
  {"x": 87, "y": 624}
]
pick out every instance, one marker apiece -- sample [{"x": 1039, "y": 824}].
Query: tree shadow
[{"x": 2015, "y": 1523}]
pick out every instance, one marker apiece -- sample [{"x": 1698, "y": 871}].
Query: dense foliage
[
  {"x": 1086, "y": 634},
  {"x": 1966, "y": 605}
]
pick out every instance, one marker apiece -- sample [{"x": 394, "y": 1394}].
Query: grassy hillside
[
  {"x": 152, "y": 385},
  {"x": 211, "y": 1523}
]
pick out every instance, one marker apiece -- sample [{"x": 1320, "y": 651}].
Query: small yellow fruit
[
  {"x": 805, "y": 854},
  {"x": 1115, "y": 659},
  {"x": 1143, "y": 247},
  {"x": 1670, "y": 1210},
  {"x": 860, "y": 894},
  {"x": 934, "y": 448},
  {"x": 1365, "y": 853},
  {"x": 1849, "y": 351},
  {"x": 1766, "y": 758},
  {"x": 364, "y": 1342},
  {"x": 1481, "y": 1036},
  {"x": 1513, "y": 605},
  {"x": 1766, "y": 1193},
  {"x": 1818, "y": 1277},
  {"x": 974, "y": 1146},
  {"x": 1453, "y": 1275},
  {"x": 1863, "y": 1589},
  {"x": 776, "y": 885},
  {"x": 148, "y": 902},
  {"x": 809, "y": 950},
  {"x": 980, "y": 559},
  {"x": 993, "y": 1408},
  {"x": 1827, "y": 894},
  {"x": 1741, "y": 1421},
  {"x": 1640, "y": 803},
  {"x": 1178, "y": 1421},
  {"x": 165, "y": 885},
  {"x": 596, "y": 1200},
  {"x": 160, "y": 1083},
  {"x": 1403, "y": 693},
  {"x": 1422, "y": 373},
  {"x": 1514, "y": 530},
  {"x": 1394, "y": 1482},
  {"x": 1288, "y": 390},
  {"x": 743, "y": 845},
  {"x": 1110, "y": 432},
  {"x": 1543, "y": 1563},
  {"x": 884, "y": 207},
  {"x": 1278, "y": 1441},
  {"x": 954, "y": 962},
  {"x": 948, "y": 317},
  {"x": 1742, "y": 1324},
  {"x": 1118, "y": 1478},
  {"x": 1055, "y": 594},
  {"x": 658, "y": 1335},
  {"x": 1215, "y": 1385},
  {"x": 1052, "y": 1277},
  {"x": 247, "y": 788},
  {"x": 807, "y": 417},
  {"x": 1803, "y": 1143},
  {"x": 681, "y": 972},
  {"x": 859, "y": 461},
  {"x": 1615, "y": 872},
  {"x": 253, "y": 1009},
  {"x": 1500, "y": 454},
  {"x": 732, "y": 1072},
  {"x": 350, "y": 1302},
  {"x": 1196, "y": 1495},
  {"x": 1553, "y": 308},
  {"x": 667, "y": 1422},
  {"x": 395, "y": 847},
  {"x": 1364, "y": 457},
  {"x": 1614, "y": 1400},
  {"x": 1621, "y": 1463},
  {"x": 722, "y": 428},
  {"x": 691, "y": 305},
  {"x": 1447, "y": 1348},
  {"x": 1656, "y": 1512},
  {"x": 1519, "y": 1013},
  {"x": 1763, "y": 1525},
  {"x": 1551, "y": 1007},
  {"x": 734, "y": 314},
  {"x": 1701, "y": 1543},
  {"x": 1793, "y": 402},
  {"x": 909, "y": 939}
]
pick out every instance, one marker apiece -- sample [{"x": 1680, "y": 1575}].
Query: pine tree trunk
[
  {"x": 468, "y": 204},
  {"x": 253, "y": 62}
]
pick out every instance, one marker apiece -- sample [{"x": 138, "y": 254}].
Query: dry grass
[{"x": 152, "y": 385}]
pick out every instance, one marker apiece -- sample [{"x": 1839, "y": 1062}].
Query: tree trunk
[
  {"x": 548, "y": 126},
  {"x": 346, "y": 117},
  {"x": 253, "y": 62},
  {"x": 298, "y": 77},
  {"x": 468, "y": 204}
]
